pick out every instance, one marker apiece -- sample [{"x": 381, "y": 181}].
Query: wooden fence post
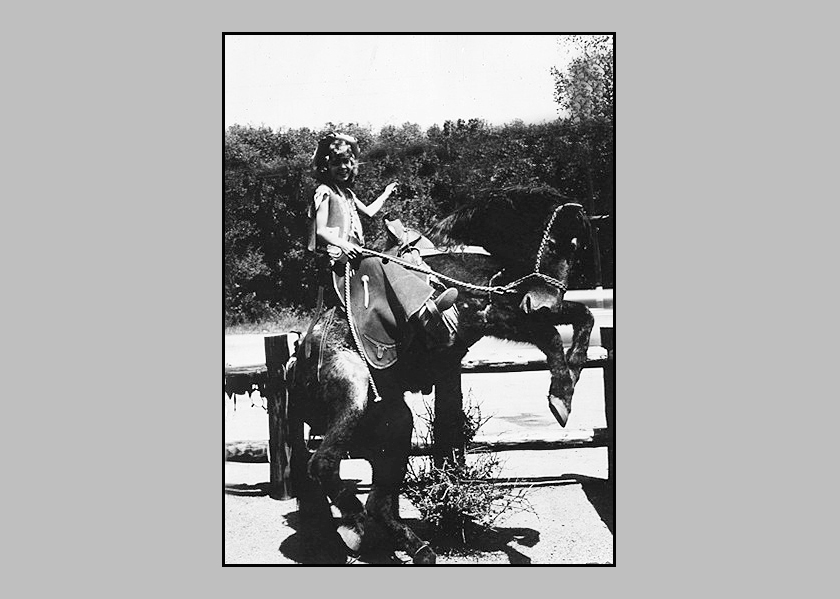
[
  {"x": 278, "y": 350},
  {"x": 608, "y": 343}
]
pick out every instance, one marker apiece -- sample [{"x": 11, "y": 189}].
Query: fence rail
[
  {"x": 257, "y": 451},
  {"x": 267, "y": 379}
]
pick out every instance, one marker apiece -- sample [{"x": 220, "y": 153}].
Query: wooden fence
[{"x": 268, "y": 380}]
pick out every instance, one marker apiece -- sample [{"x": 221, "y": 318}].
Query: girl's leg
[{"x": 414, "y": 296}]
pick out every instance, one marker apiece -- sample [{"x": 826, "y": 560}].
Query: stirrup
[{"x": 431, "y": 320}]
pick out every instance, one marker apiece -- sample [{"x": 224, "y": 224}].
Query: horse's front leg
[
  {"x": 579, "y": 316},
  {"x": 344, "y": 389},
  {"x": 565, "y": 366},
  {"x": 562, "y": 385}
]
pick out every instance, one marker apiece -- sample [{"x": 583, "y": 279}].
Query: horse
[{"x": 513, "y": 289}]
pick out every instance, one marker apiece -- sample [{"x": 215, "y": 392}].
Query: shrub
[
  {"x": 272, "y": 320},
  {"x": 459, "y": 501}
]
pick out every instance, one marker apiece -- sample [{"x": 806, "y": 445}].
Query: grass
[{"x": 283, "y": 320}]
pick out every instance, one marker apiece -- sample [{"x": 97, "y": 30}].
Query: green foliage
[{"x": 267, "y": 190}]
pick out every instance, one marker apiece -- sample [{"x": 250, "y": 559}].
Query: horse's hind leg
[
  {"x": 311, "y": 499},
  {"x": 393, "y": 435},
  {"x": 344, "y": 388}
]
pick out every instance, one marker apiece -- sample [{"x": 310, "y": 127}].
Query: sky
[{"x": 293, "y": 81}]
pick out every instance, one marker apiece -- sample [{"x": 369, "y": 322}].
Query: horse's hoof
[
  {"x": 351, "y": 532},
  {"x": 424, "y": 556},
  {"x": 558, "y": 409}
]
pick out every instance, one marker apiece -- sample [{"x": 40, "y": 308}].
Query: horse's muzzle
[{"x": 534, "y": 301}]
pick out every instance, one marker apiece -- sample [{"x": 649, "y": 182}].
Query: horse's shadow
[{"x": 315, "y": 541}]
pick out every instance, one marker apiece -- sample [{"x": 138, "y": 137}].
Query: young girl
[{"x": 336, "y": 229}]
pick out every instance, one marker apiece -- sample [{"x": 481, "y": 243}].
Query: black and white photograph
[{"x": 418, "y": 299}]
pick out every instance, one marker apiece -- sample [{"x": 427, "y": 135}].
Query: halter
[
  {"x": 546, "y": 234},
  {"x": 540, "y": 252}
]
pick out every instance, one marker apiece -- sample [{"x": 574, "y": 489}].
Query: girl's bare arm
[{"x": 372, "y": 208}]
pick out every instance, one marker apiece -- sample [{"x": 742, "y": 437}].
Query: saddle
[{"x": 378, "y": 330}]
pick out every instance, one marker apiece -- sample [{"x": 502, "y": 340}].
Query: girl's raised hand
[{"x": 391, "y": 187}]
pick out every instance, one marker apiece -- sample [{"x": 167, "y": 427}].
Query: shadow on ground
[
  {"x": 315, "y": 541},
  {"x": 243, "y": 490},
  {"x": 497, "y": 540},
  {"x": 601, "y": 494},
  {"x": 257, "y": 490}
]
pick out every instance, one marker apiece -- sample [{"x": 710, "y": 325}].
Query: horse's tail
[
  {"x": 294, "y": 346},
  {"x": 289, "y": 371}
]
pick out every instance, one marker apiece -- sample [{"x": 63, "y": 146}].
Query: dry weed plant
[{"x": 463, "y": 498}]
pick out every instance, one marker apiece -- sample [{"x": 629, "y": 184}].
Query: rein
[
  {"x": 490, "y": 289},
  {"x": 497, "y": 289}
]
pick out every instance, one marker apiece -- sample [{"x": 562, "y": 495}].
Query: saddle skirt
[{"x": 377, "y": 327}]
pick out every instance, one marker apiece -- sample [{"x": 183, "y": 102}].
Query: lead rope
[{"x": 347, "y": 272}]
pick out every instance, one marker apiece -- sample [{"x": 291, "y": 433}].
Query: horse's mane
[{"x": 507, "y": 222}]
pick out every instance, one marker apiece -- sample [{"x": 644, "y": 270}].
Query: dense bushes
[{"x": 267, "y": 188}]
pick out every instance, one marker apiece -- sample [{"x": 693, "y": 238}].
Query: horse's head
[
  {"x": 565, "y": 232},
  {"x": 534, "y": 232}
]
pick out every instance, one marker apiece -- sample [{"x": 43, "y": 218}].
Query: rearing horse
[{"x": 513, "y": 291}]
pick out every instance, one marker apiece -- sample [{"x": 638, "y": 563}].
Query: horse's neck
[{"x": 480, "y": 313}]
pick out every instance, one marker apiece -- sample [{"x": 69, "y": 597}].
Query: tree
[
  {"x": 268, "y": 189},
  {"x": 585, "y": 88}
]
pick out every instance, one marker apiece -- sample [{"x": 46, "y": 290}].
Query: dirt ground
[
  {"x": 571, "y": 516},
  {"x": 570, "y": 522}
]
